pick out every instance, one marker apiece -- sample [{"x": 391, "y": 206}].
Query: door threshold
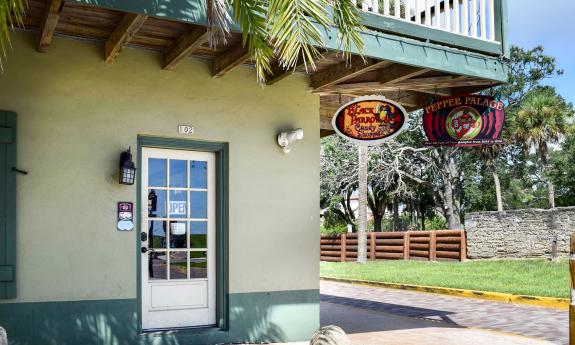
[{"x": 190, "y": 329}]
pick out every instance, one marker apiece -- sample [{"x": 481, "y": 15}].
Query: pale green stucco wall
[{"x": 76, "y": 114}]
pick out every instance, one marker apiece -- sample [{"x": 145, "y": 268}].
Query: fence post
[
  {"x": 372, "y": 246},
  {"x": 406, "y": 245},
  {"x": 343, "y": 248},
  {"x": 572, "y": 281},
  {"x": 463, "y": 247},
  {"x": 432, "y": 246}
]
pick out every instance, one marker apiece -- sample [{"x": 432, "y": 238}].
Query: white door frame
[{"x": 178, "y": 303}]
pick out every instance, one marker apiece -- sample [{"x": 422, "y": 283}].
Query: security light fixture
[
  {"x": 127, "y": 168},
  {"x": 285, "y": 139}
]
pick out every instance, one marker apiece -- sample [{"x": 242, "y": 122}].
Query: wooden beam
[
  {"x": 184, "y": 46},
  {"x": 48, "y": 24},
  {"x": 396, "y": 73},
  {"x": 122, "y": 35},
  {"x": 344, "y": 71},
  {"x": 231, "y": 58},
  {"x": 277, "y": 73}
]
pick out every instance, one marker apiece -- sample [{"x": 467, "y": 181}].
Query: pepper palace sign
[
  {"x": 464, "y": 121},
  {"x": 370, "y": 120}
]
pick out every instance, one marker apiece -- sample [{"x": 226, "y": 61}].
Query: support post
[
  {"x": 432, "y": 245},
  {"x": 406, "y": 245},
  {"x": 343, "y": 257},
  {"x": 372, "y": 246},
  {"x": 463, "y": 247},
  {"x": 361, "y": 233},
  {"x": 572, "y": 281}
]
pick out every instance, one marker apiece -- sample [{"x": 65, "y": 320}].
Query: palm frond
[
  {"x": 11, "y": 14},
  {"x": 346, "y": 19},
  {"x": 252, "y": 17},
  {"x": 218, "y": 21},
  {"x": 295, "y": 30}
]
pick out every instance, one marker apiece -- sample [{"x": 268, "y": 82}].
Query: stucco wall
[
  {"x": 520, "y": 233},
  {"x": 76, "y": 114}
]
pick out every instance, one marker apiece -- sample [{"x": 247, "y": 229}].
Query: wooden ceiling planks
[{"x": 332, "y": 75}]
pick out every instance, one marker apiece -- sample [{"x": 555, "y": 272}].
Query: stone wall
[{"x": 519, "y": 234}]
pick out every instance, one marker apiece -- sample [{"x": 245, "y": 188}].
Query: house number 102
[{"x": 184, "y": 129}]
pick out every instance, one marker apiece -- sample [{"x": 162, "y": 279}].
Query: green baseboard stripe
[
  {"x": 280, "y": 316},
  {"x": 547, "y": 302}
]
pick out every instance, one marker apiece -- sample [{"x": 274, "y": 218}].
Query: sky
[{"x": 550, "y": 23}]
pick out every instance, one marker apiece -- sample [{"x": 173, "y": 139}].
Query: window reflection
[
  {"x": 198, "y": 174},
  {"x": 198, "y": 265},
  {"x": 157, "y": 234},
  {"x": 157, "y": 172},
  {"x": 178, "y": 173},
  {"x": 157, "y": 266},
  {"x": 199, "y": 205},
  {"x": 178, "y": 235},
  {"x": 178, "y": 265},
  {"x": 178, "y": 204},
  {"x": 198, "y": 234},
  {"x": 157, "y": 203}
]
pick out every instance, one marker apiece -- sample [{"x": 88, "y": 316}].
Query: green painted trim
[
  {"x": 6, "y": 273},
  {"x": 547, "y": 302},
  {"x": 8, "y": 209},
  {"x": 257, "y": 317},
  {"x": 378, "y": 45},
  {"x": 6, "y": 135},
  {"x": 504, "y": 28},
  {"x": 412, "y": 30},
  {"x": 222, "y": 262}
]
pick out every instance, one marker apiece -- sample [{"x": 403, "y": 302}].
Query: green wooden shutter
[{"x": 7, "y": 205}]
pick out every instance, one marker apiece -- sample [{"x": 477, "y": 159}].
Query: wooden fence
[{"x": 408, "y": 245}]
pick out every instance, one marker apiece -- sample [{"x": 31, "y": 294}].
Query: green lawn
[{"x": 522, "y": 277}]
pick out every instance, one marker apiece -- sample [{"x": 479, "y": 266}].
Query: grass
[{"x": 520, "y": 277}]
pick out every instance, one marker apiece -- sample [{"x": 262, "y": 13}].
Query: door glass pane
[
  {"x": 157, "y": 266},
  {"x": 198, "y": 174},
  {"x": 198, "y": 234},
  {"x": 178, "y": 265},
  {"x": 157, "y": 172},
  {"x": 178, "y": 173},
  {"x": 198, "y": 265},
  {"x": 157, "y": 233},
  {"x": 198, "y": 205},
  {"x": 178, "y": 235},
  {"x": 178, "y": 204},
  {"x": 157, "y": 203}
]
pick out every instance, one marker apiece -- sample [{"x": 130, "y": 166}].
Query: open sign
[{"x": 178, "y": 208}]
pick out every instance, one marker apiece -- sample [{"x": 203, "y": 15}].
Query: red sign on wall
[
  {"x": 370, "y": 120},
  {"x": 464, "y": 121}
]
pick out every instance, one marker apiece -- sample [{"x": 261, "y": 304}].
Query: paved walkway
[{"x": 439, "y": 313}]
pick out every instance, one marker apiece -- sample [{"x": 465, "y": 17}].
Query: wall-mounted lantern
[
  {"x": 285, "y": 139},
  {"x": 127, "y": 168}
]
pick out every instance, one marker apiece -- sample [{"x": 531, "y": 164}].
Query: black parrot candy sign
[
  {"x": 369, "y": 120},
  {"x": 464, "y": 121}
]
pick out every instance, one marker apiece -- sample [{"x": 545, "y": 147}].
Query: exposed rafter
[
  {"x": 397, "y": 73},
  {"x": 185, "y": 46},
  {"x": 48, "y": 24},
  {"x": 122, "y": 35},
  {"x": 234, "y": 56},
  {"x": 345, "y": 71}
]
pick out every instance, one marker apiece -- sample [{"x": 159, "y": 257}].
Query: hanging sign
[
  {"x": 464, "y": 121},
  {"x": 369, "y": 120},
  {"x": 125, "y": 216}
]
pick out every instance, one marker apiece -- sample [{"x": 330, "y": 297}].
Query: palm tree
[
  {"x": 11, "y": 14},
  {"x": 542, "y": 119},
  {"x": 288, "y": 31}
]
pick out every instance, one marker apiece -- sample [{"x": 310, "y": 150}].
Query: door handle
[{"x": 145, "y": 250}]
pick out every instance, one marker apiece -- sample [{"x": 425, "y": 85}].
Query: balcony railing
[{"x": 470, "y": 18}]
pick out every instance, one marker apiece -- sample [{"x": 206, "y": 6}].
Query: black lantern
[{"x": 127, "y": 168}]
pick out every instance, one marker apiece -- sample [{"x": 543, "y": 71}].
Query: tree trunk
[
  {"x": 547, "y": 168},
  {"x": 396, "y": 220},
  {"x": 377, "y": 219},
  {"x": 497, "y": 191},
  {"x": 362, "y": 214},
  {"x": 551, "y": 188}
]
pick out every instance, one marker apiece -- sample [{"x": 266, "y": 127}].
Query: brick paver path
[{"x": 543, "y": 323}]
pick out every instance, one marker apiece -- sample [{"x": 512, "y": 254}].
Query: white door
[{"x": 178, "y": 244}]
